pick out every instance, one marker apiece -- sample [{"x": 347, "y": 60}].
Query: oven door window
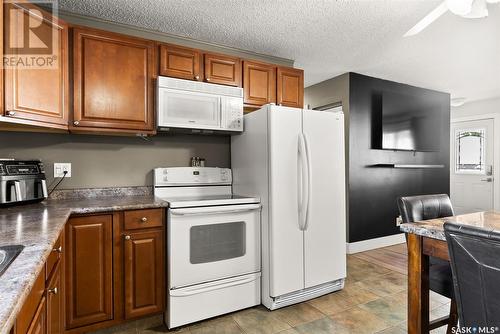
[{"x": 216, "y": 242}]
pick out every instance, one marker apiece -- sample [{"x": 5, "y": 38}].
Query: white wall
[{"x": 482, "y": 107}]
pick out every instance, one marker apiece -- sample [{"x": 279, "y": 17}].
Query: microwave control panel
[{"x": 233, "y": 111}]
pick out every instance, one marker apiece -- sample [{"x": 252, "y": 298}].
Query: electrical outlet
[
  {"x": 61, "y": 167},
  {"x": 399, "y": 220}
]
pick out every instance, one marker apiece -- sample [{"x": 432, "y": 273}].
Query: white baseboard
[{"x": 361, "y": 246}]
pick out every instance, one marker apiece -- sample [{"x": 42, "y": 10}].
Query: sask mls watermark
[{"x": 32, "y": 35}]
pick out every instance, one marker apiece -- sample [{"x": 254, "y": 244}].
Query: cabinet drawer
[
  {"x": 139, "y": 219},
  {"x": 54, "y": 257}
]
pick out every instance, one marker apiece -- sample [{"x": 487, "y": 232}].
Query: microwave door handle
[{"x": 194, "y": 291}]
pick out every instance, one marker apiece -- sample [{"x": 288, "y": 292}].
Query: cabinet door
[
  {"x": 179, "y": 62},
  {"x": 55, "y": 302},
  {"x": 223, "y": 70},
  {"x": 38, "y": 324},
  {"x": 144, "y": 272},
  {"x": 113, "y": 81},
  {"x": 38, "y": 95},
  {"x": 89, "y": 270},
  {"x": 290, "y": 87},
  {"x": 259, "y": 83}
]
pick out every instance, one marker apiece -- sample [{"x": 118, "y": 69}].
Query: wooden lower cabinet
[
  {"x": 113, "y": 270},
  {"x": 42, "y": 311},
  {"x": 143, "y": 273},
  {"x": 55, "y": 303},
  {"x": 100, "y": 273},
  {"x": 39, "y": 324},
  {"x": 89, "y": 270}
]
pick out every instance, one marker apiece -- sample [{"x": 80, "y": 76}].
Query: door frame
[{"x": 496, "y": 156}]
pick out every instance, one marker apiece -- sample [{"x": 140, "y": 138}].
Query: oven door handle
[
  {"x": 213, "y": 210},
  {"x": 184, "y": 292}
]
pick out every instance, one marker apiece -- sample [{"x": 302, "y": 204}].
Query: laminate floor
[{"x": 374, "y": 300}]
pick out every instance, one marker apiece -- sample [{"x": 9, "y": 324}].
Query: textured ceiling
[{"x": 327, "y": 38}]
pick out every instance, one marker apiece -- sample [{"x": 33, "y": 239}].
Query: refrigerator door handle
[
  {"x": 308, "y": 183},
  {"x": 304, "y": 181}
]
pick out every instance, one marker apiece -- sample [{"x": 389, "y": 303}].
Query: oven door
[
  {"x": 185, "y": 109},
  {"x": 211, "y": 243}
]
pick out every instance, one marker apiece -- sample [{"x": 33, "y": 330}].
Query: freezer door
[
  {"x": 325, "y": 235},
  {"x": 286, "y": 240}
]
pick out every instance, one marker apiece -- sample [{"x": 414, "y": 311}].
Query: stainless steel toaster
[{"x": 22, "y": 181}]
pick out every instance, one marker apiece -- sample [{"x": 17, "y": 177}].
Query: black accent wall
[{"x": 373, "y": 189}]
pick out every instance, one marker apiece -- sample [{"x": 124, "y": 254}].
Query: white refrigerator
[{"x": 294, "y": 160}]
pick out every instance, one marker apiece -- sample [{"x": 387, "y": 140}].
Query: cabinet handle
[
  {"x": 76, "y": 123},
  {"x": 58, "y": 249},
  {"x": 11, "y": 113},
  {"x": 197, "y": 77},
  {"x": 53, "y": 290},
  {"x": 127, "y": 237},
  {"x": 144, "y": 219}
]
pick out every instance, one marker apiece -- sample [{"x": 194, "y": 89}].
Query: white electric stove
[{"x": 213, "y": 244}]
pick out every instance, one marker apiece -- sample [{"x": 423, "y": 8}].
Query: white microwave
[{"x": 199, "y": 106}]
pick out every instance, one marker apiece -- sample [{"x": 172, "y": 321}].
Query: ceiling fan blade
[{"x": 426, "y": 21}]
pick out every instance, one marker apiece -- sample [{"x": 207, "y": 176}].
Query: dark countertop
[{"x": 37, "y": 227}]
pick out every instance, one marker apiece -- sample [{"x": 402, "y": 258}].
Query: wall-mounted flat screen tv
[{"x": 410, "y": 123}]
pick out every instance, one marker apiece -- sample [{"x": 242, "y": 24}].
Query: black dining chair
[
  {"x": 475, "y": 262},
  {"x": 416, "y": 208}
]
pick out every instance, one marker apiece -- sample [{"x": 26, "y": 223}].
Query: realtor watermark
[
  {"x": 475, "y": 330},
  {"x": 32, "y": 35}
]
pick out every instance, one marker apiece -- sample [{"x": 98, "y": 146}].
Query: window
[{"x": 469, "y": 151}]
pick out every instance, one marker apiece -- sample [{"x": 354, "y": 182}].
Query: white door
[
  {"x": 471, "y": 175},
  {"x": 286, "y": 240},
  {"x": 325, "y": 236}
]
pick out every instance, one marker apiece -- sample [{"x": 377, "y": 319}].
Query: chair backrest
[
  {"x": 475, "y": 263},
  {"x": 415, "y": 208}
]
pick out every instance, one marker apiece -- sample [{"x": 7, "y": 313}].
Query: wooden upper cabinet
[
  {"x": 223, "y": 70},
  {"x": 89, "y": 270},
  {"x": 180, "y": 62},
  {"x": 259, "y": 83},
  {"x": 290, "y": 86},
  {"x": 36, "y": 94},
  {"x": 144, "y": 273},
  {"x": 113, "y": 82}
]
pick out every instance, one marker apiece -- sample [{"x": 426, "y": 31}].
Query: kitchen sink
[{"x": 7, "y": 255}]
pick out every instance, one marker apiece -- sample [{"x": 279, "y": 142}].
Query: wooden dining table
[{"x": 426, "y": 238}]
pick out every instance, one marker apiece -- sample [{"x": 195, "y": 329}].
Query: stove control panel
[{"x": 179, "y": 176}]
